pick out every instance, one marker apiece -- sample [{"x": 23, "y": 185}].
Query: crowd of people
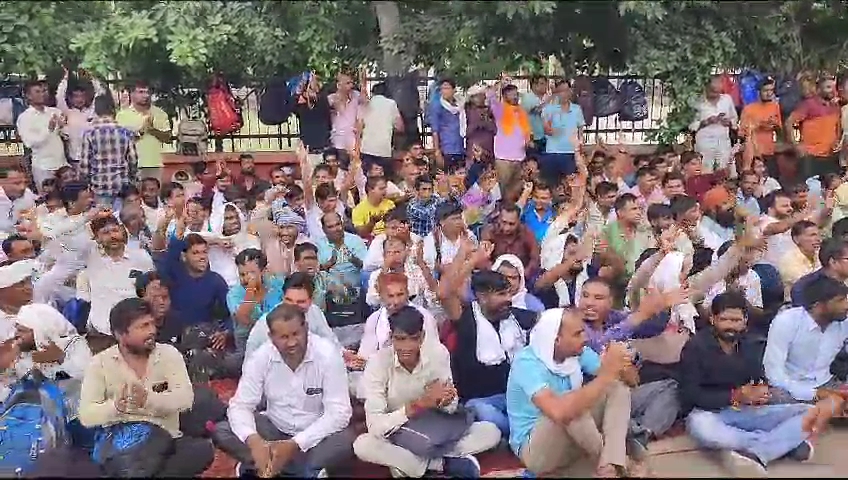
[{"x": 512, "y": 288}]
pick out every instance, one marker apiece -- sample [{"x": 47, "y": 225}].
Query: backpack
[
  {"x": 607, "y": 99},
  {"x": 224, "y": 115},
  {"x": 788, "y": 92},
  {"x": 33, "y": 422},
  {"x": 434, "y": 94},
  {"x": 749, "y": 86},
  {"x": 192, "y": 137},
  {"x": 730, "y": 87},
  {"x": 584, "y": 96},
  {"x": 132, "y": 449},
  {"x": 12, "y": 103},
  {"x": 275, "y": 102},
  {"x": 634, "y": 103}
]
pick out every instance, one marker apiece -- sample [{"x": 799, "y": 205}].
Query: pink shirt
[
  {"x": 507, "y": 147},
  {"x": 343, "y": 135}
]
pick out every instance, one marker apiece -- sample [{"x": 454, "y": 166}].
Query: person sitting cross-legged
[
  {"x": 304, "y": 429},
  {"x": 722, "y": 383},
  {"x": 555, "y": 418},
  {"x": 405, "y": 384}
]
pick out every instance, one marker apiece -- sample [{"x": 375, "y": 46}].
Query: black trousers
[{"x": 191, "y": 457}]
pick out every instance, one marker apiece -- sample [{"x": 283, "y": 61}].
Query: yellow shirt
[
  {"x": 793, "y": 265},
  {"x": 363, "y": 212},
  {"x": 149, "y": 147}
]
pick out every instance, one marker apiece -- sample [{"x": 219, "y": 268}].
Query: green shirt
[
  {"x": 628, "y": 249},
  {"x": 149, "y": 148}
]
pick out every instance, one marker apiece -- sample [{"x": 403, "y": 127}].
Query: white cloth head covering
[
  {"x": 520, "y": 298},
  {"x": 667, "y": 277},
  {"x": 222, "y": 261},
  {"x": 494, "y": 347},
  {"x": 542, "y": 339},
  {"x": 46, "y": 323},
  {"x": 17, "y": 272},
  {"x": 476, "y": 90}
]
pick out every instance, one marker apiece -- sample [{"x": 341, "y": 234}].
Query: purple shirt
[
  {"x": 343, "y": 135},
  {"x": 507, "y": 147},
  {"x": 618, "y": 328}
]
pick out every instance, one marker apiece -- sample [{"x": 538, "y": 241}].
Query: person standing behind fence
[
  {"x": 109, "y": 158},
  {"x": 346, "y": 106},
  {"x": 39, "y": 127},
  {"x": 79, "y": 111},
  {"x": 715, "y": 117},
  {"x": 563, "y": 123},
  {"x": 151, "y": 126}
]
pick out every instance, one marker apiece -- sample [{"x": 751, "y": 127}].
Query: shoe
[
  {"x": 637, "y": 446},
  {"x": 803, "y": 452},
  {"x": 322, "y": 473},
  {"x": 465, "y": 466},
  {"x": 242, "y": 472},
  {"x": 744, "y": 465}
]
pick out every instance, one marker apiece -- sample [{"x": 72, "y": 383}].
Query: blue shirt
[
  {"x": 203, "y": 298},
  {"x": 446, "y": 125},
  {"x": 343, "y": 270},
  {"x": 797, "y": 292},
  {"x": 564, "y": 124},
  {"x": 750, "y": 204},
  {"x": 539, "y": 226},
  {"x": 273, "y": 297},
  {"x": 529, "y": 101},
  {"x": 527, "y": 377}
]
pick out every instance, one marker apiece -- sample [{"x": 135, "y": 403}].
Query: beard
[
  {"x": 725, "y": 218},
  {"x": 728, "y": 335}
]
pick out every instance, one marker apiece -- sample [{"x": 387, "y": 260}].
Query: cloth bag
[{"x": 433, "y": 433}]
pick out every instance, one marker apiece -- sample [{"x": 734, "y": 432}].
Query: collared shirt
[
  {"x": 11, "y": 210},
  {"x": 749, "y": 284},
  {"x": 109, "y": 372},
  {"x": 313, "y": 220},
  {"x": 363, "y": 212},
  {"x": 419, "y": 291},
  {"x": 797, "y": 292},
  {"x": 422, "y": 215},
  {"x": 109, "y": 159},
  {"x": 343, "y": 135},
  {"x": 629, "y": 249},
  {"x": 149, "y": 148},
  {"x": 79, "y": 119},
  {"x": 536, "y": 223},
  {"x": 310, "y": 403},
  {"x": 374, "y": 258},
  {"x": 756, "y": 114},
  {"x": 793, "y": 265},
  {"x": 565, "y": 125},
  {"x": 110, "y": 282},
  {"x": 48, "y": 151},
  {"x": 316, "y": 323},
  {"x": 708, "y": 374},
  {"x": 522, "y": 244},
  {"x": 529, "y": 376},
  {"x": 777, "y": 246},
  {"x": 708, "y": 227},
  {"x": 379, "y": 117},
  {"x": 273, "y": 296},
  {"x": 446, "y": 250},
  {"x": 389, "y": 387},
  {"x": 750, "y": 205},
  {"x": 529, "y": 101},
  {"x": 715, "y": 135},
  {"x": 343, "y": 270},
  {"x": 819, "y": 121},
  {"x": 446, "y": 125},
  {"x": 799, "y": 353}
]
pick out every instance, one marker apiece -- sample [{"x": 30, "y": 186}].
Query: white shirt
[
  {"x": 371, "y": 343},
  {"x": 416, "y": 284},
  {"x": 110, "y": 282},
  {"x": 715, "y": 135},
  {"x": 379, "y": 118},
  {"x": 79, "y": 120},
  {"x": 313, "y": 220},
  {"x": 310, "y": 403},
  {"x": 315, "y": 320},
  {"x": 10, "y": 210},
  {"x": 551, "y": 255},
  {"x": 448, "y": 249},
  {"x": 48, "y": 151},
  {"x": 748, "y": 283},
  {"x": 374, "y": 258},
  {"x": 798, "y": 353},
  {"x": 714, "y": 235},
  {"x": 776, "y": 245}
]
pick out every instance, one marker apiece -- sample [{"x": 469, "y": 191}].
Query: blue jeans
[
  {"x": 768, "y": 431},
  {"x": 491, "y": 409}
]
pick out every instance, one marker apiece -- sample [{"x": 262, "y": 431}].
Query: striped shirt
[{"x": 109, "y": 158}]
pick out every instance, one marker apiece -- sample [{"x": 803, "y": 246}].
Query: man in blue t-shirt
[
  {"x": 563, "y": 123},
  {"x": 554, "y": 415}
]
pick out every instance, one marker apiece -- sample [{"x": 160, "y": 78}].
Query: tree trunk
[{"x": 388, "y": 19}]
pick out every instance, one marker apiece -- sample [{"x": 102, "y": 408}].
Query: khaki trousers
[
  {"x": 553, "y": 448},
  {"x": 481, "y": 436},
  {"x": 508, "y": 172}
]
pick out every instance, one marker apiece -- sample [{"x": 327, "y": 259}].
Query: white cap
[{"x": 16, "y": 272}]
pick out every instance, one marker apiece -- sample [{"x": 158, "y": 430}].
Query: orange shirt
[
  {"x": 755, "y": 117},
  {"x": 819, "y": 125}
]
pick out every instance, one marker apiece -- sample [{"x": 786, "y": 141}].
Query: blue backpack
[
  {"x": 749, "y": 86},
  {"x": 34, "y": 421}
]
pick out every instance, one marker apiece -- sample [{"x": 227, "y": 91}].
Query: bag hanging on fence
[
  {"x": 33, "y": 423},
  {"x": 607, "y": 99},
  {"x": 730, "y": 87},
  {"x": 749, "y": 86},
  {"x": 788, "y": 92},
  {"x": 192, "y": 137},
  {"x": 224, "y": 114},
  {"x": 12, "y": 103},
  {"x": 634, "y": 103},
  {"x": 132, "y": 449},
  {"x": 585, "y": 97},
  {"x": 275, "y": 103}
]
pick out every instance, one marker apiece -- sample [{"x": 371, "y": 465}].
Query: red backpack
[
  {"x": 731, "y": 87},
  {"x": 224, "y": 114}
]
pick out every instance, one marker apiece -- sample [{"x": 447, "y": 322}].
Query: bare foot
[
  {"x": 607, "y": 471},
  {"x": 639, "y": 469}
]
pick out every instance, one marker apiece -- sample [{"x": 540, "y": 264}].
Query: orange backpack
[{"x": 224, "y": 114}]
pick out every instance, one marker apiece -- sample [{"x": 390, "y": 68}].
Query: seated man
[
  {"x": 403, "y": 381},
  {"x": 304, "y": 429},
  {"x": 257, "y": 293},
  {"x": 804, "y": 341},
  {"x": 112, "y": 392},
  {"x": 554, "y": 418},
  {"x": 721, "y": 381}
]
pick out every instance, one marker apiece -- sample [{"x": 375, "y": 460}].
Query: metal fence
[{"x": 255, "y": 136}]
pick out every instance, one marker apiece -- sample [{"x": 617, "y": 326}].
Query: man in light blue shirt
[
  {"x": 533, "y": 102},
  {"x": 265, "y": 293},
  {"x": 554, "y": 416},
  {"x": 340, "y": 253},
  {"x": 745, "y": 199},
  {"x": 804, "y": 341},
  {"x": 563, "y": 121}
]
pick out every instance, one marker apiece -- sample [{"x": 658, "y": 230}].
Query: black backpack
[
  {"x": 275, "y": 102},
  {"x": 788, "y": 92},
  {"x": 607, "y": 98},
  {"x": 634, "y": 103}
]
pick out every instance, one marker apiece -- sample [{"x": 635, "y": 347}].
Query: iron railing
[{"x": 255, "y": 136}]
